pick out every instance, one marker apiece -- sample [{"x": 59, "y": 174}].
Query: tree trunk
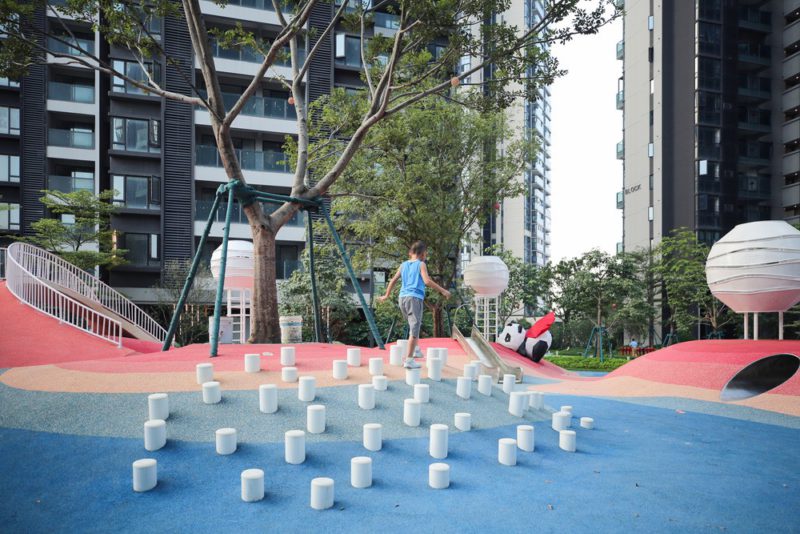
[
  {"x": 264, "y": 327},
  {"x": 438, "y": 320},
  {"x": 599, "y": 343}
]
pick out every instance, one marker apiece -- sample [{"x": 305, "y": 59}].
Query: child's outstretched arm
[
  {"x": 423, "y": 269},
  {"x": 391, "y": 285}
]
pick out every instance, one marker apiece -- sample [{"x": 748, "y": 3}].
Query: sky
[{"x": 585, "y": 127}]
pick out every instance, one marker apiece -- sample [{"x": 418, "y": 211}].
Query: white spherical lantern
[
  {"x": 487, "y": 276},
  {"x": 239, "y": 267},
  {"x": 756, "y": 267}
]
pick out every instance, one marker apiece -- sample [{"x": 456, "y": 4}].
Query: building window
[
  {"x": 77, "y": 181},
  {"x": 652, "y": 87},
  {"x": 9, "y": 120},
  {"x": 134, "y": 70},
  {"x": 650, "y": 213},
  {"x": 650, "y": 23},
  {"x": 139, "y": 192},
  {"x": 348, "y": 50},
  {"x": 709, "y": 38},
  {"x": 650, "y": 150},
  {"x": 5, "y": 82},
  {"x": 136, "y": 135},
  {"x": 142, "y": 249},
  {"x": 9, "y": 169},
  {"x": 9, "y": 216}
]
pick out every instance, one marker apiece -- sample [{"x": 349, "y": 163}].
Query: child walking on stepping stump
[{"x": 414, "y": 277}]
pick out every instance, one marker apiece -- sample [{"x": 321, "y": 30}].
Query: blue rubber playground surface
[{"x": 664, "y": 465}]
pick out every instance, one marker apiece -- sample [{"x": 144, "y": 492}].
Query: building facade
[{"x": 710, "y": 94}]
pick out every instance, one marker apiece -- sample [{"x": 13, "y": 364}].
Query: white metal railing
[
  {"x": 31, "y": 290},
  {"x": 55, "y": 270}
]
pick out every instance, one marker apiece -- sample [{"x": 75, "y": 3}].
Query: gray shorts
[{"x": 411, "y": 307}]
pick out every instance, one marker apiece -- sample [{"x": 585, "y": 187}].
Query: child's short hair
[{"x": 418, "y": 247}]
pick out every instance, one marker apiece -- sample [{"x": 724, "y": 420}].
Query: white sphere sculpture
[
  {"x": 239, "y": 267},
  {"x": 756, "y": 267},
  {"x": 487, "y": 276}
]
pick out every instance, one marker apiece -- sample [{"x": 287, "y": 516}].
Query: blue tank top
[{"x": 413, "y": 284}]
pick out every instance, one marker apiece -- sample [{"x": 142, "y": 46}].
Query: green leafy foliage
[
  {"x": 528, "y": 287},
  {"x": 193, "y": 323},
  {"x": 82, "y": 224}
]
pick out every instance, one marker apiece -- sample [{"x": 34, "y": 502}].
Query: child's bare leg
[{"x": 412, "y": 345}]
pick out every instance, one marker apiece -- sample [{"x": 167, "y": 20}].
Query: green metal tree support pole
[
  {"x": 313, "y": 276},
  {"x": 187, "y": 285},
  {"x": 367, "y": 312},
  {"x": 221, "y": 280}
]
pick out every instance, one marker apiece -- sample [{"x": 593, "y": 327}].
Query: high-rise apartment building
[
  {"x": 522, "y": 224},
  {"x": 710, "y": 93}
]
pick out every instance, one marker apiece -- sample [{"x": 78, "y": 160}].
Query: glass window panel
[
  {"x": 135, "y": 72},
  {"x": 154, "y": 246},
  {"x": 3, "y": 120},
  {"x": 136, "y": 135},
  {"x": 14, "y": 217},
  {"x": 4, "y": 213},
  {"x": 118, "y": 133},
  {"x": 119, "y": 189},
  {"x": 155, "y": 133},
  {"x": 136, "y": 192},
  {"x": 4, "y": 170},
  {"x": 14, "y": 120},
  {"x": 137, "y": 246}
]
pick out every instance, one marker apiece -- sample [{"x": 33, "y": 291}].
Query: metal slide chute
[{"x": 477, "y": 348}]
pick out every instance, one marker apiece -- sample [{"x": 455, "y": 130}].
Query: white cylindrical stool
[
  {"x": 509, "y": 381},
  {"x": 307, "y": 389},
  {"x": 287, "y": 356},
  {"x": 517, "y": 403},
  {"x": 354, "y": 357},
  {"x": 566, "y": 440},
  {"x": 412, "y": 409},
  {"x": 396, "y": 355},
  {"x": 321, "y": 493},
  {"x": 439, "y": 475},
  {"x": 204, "y": 372},
  {"x": 435, "y": 369},
  {"x": 561, "y": 421},
  {"x": 212, "y": 393},
  {"x": 463, "y": 421},
  {"x": 463, "y": 387},
  {"x": 376, "y": 366},
  {"x": 252, "y": 485},
  {"x": 438, "y": 441},
  {"x": 340, "y": 369},
  {"x": 294, "y": 442},
  {"x": 361, "y": 472},
  {"x": 366, "y": 396},
  {"x": 525, "y": 438},
  {"x": 587, "y": 422},
  {"x": 252, "y": 363},
  {"x": 485, "y": 385},
  {"x": 443, "y": 356},
  {"x": 471, "y": 370},
  {"x": 507, "y": 451},
  {"x": 158, "y": 406},
  {"x": 268, "y": 398},
  {"x": 567, "y": 409},
  {"x": 380, "y": 383},
  {"x": 226, "y": 440},
  {"x": 155, "y": 434},
  {"x": 289, "y": 374},
  {"x": 145, "y": 474},
  {"x": 403, "y": 344},
  {"x": 412, "y": 376},
  {"x": 430, "y": 353},
  {"x": 315, "y": 419},
  {"x": 537, "y": 400},
  {"x": 373, "y": 439},
  {"x": 422, "y": 393}
]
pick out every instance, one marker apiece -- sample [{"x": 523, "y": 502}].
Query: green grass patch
[{"x": 578, "y": 363}]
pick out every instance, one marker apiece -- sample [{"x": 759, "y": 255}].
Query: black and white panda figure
[{"x": 532, "y": 343}]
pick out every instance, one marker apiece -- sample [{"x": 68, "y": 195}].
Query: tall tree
[
  {"x": 422, "y": 175},
  {"x": 81, "y": 231},
  {"x": 397, "y": 71},
  {"x": 680, "y": 264}
]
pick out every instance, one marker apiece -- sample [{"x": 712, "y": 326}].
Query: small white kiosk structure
[
  {"x": 487, "y": 276},
  {"x": 755, "y": 268},
  {"x": 239, "y": 275}
]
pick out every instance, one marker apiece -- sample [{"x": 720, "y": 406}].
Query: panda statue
[{"x": 532, "y": 343}]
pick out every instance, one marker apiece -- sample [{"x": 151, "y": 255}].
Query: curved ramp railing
[
  {"x": 54, "y": 270},
  {"x": 38, "y": 294}
]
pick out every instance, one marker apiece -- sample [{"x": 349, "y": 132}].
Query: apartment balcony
[
  {"x": 791, "y": 34},
  {"x": 791, "y": 68},
  {"x": 791, "y": 163},
  {"x": 753, "y": 18},
  {"x": 294, "y": 230},
  {"x": 790, "y": 195},
  {"x": 260, "y": 10},
  {"x": 268, "y": 168},
  {"x": 70, "y": 46},
  {"x": 620, "y": 200},
  {"x": 75, "y": 144},
  {"x": 70, "y": 184},
  {"x": 754, "y": 55},
  {"x": 621, "y": 150},
  {"x": 620, "y": 99},
  {"x": 621, "y": 50},
  {"x": 757, "y": 123},
  {"x": 70, "y": 98},
  {"x": 260, "y": 114},
  {"x": 708, "y": 220},
  {"x": 791, "y": 131},
  {"x": 246, "y": 62},
  {"x": 754, "y": 187}
]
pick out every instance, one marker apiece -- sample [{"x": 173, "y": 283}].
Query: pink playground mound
[
  {"x": 544, "y": 368},
  {"x": 28, "y": 337},
  {"x": 709, "y": 364}
]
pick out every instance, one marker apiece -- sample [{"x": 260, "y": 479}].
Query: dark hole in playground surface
[{"x": 760, "y": 376}]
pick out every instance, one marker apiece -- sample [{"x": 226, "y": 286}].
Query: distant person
[
  {"x": 634, "y": 345},
  {"x": 414, "y": 276}
]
